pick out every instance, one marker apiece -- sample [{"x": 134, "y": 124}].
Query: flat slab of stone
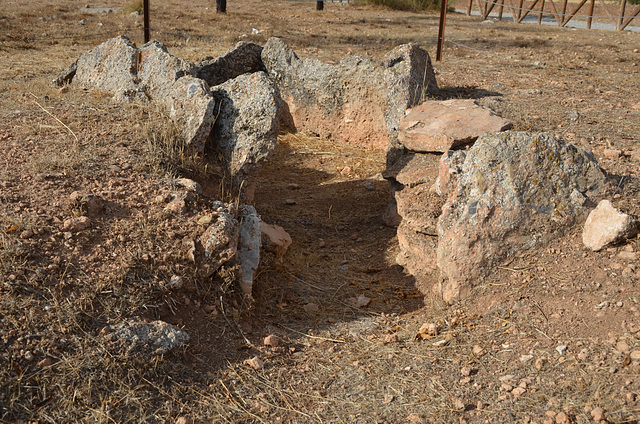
[{"x": 437, "y": 126}]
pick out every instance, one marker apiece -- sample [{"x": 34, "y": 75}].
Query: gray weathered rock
[
  {"x": 136, "y": 337},
  {"x": 511, "y": 191},
  {"x": 244, "y": 58},
  {"x": 409, "y": 79},
  {"x": 437, "y": 126},
  {"x": 247, "y": 125},
  {"x": 193, "y": 108},
  {"x": 111, "y": 66},
  {"x": 248, "y": 257},
  {"x": 220, "y": 242},
  {"x": 149, "y": 73},
  {"x": 606, "y": 225},
  {"x": 353, "y": 102},
  {"x": 157, "y": 70}
]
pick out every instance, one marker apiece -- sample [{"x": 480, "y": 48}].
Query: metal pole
[
  {"x": 146, "y": 20},
  {"x": 443, "y": 18},
  {"x": 320, "y": 5}
]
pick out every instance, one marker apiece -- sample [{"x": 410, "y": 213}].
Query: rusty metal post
[
  {"x": 590, "y": 18},
  {"x": 145, "y": 7},
  {"x": 623, "y": 6},
  {"x": 541, "y": 13},
  {"x": 443, "y": 18},
  {"x": 320, "y": 5}
]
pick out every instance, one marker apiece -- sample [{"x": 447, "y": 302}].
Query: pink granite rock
[
  {"x": 437, "y": 126},
  {"x": 606, "y": 225}
]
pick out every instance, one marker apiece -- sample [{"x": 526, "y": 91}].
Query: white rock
[{"x": 606, "y": 225}]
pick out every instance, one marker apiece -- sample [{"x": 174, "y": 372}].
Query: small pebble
[
  {"x": 289, "y": 202},
  {"x": 271, "y": 340},
  {"x": 597, "y": 414},
  {"x": 561, "y": 349}
]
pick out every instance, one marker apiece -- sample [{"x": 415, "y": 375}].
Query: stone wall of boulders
[
  {"x": 469, "y": 194},
  {"x": 233, "y": 106},
  {"x": 466, "y": 192}
]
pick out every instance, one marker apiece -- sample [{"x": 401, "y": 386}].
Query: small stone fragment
[
  {"x": 275, "y": 238},
  {"x": 175, "y": 283},
  {"x": 597, "y": 414},
  {"x": 627, "y": 256},
  {"x": 606, "y": 225},
  {"x": 518, "y": 391},
  {"x": 190, "y": 185},
  {"x": 76, "y": 224},
  {"x": 540, "y": 363},
  {"x": 561, "y": 349},
  {"x": 361, "y": 301},
  {"x": 255, "y": 363},
  {"x": 184, "y": 420},
  {"x": 612, "y": 153},
  {"x": 26, "y": 234},
  {"x": 271, "y": 340},
  {"x": 562, "y": 418},
  {"x": 390, "y": 338},
  {"x": 311, "y": 307},
  {"x": 478, "y": 350}
]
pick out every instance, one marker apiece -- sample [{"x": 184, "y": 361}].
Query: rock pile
[
  {"x": 413, "y": 166},
  {"x": 357, "y": 101},
  {"x": 232, "y": 105},
  {"x": 463, "y": 211},
  {"x": 212, "y": 102}
]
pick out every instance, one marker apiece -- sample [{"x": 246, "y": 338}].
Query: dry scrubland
[{"x": 552, "y": 336}]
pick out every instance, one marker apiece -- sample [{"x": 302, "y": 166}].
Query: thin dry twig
[{"x": 54, "y": 117}]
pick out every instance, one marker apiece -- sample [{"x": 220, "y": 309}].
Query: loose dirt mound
[{"x": 552, "y": 335}]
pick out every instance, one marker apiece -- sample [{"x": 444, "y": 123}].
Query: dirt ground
[{"x": 553, "y": 335}]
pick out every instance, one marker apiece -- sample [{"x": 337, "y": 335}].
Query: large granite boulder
[
  {"x": 247, "y": 123},
  {"x": 509, "y": 191},
  {"x": 111, "y": 66},
  {"x": 158, "y": 70},
  {"x": 244, "y": 58},
  {"x": 357, "y": 101}
]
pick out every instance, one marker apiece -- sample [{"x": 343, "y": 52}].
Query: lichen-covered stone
[
  {"x": 158, "y": 70},
  {"x": 136, "y": 337},
  {"x": 409, "y": 78},
  {"x": 247, "y": 123},
  {"x": 111, "y": 66},
  {"x": 512, "y": 191},
  {"x": 193, "y": 108}
]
